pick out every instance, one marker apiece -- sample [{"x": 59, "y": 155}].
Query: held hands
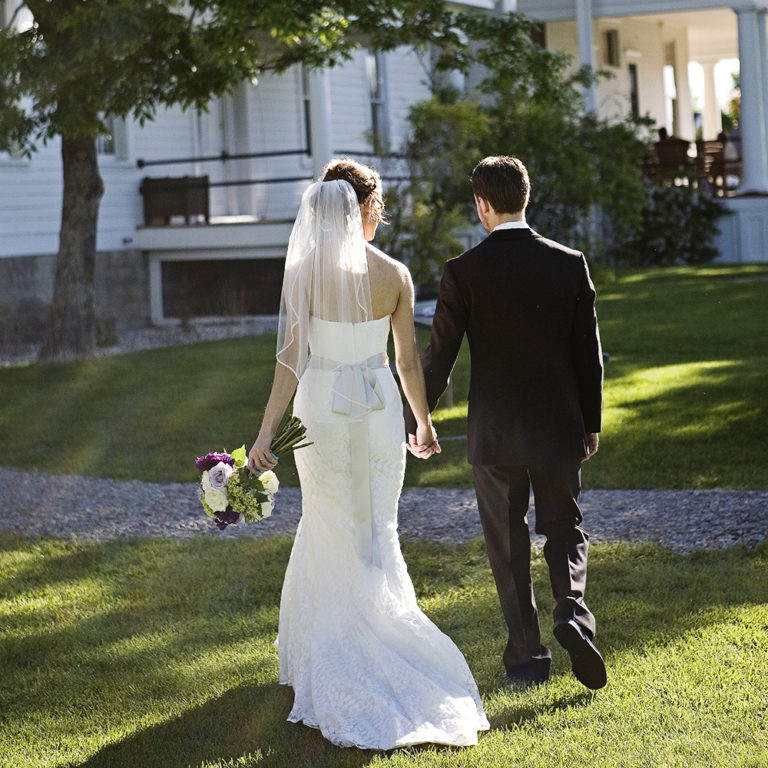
[
  {"x": 260, "y": 458},
  {"x": 424, "y": 443}
]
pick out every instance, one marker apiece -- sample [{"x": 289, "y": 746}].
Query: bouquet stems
[{"x": 289, "y": 434}]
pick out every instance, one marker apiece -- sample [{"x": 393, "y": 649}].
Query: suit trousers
[{"x": 503, "y": 496}]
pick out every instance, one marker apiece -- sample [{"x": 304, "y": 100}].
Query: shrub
[{"x": 679, "y": 224}]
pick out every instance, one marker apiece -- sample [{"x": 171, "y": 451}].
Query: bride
[{"x": 368, "y": 668}]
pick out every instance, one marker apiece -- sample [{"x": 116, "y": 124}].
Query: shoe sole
[{"x": 586, "y": 662}]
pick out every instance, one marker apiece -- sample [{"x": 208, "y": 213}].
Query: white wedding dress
[{"x": 368, "y": 668}]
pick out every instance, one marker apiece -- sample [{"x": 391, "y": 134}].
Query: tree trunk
[{"x": 71, "y": 330}]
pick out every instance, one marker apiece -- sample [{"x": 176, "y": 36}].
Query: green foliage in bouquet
[{"x": 244, "y": 492}]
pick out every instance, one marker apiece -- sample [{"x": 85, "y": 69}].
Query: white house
[{"x": 260, "y": 146}]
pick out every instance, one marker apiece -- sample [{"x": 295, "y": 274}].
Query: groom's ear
[{"x": 483, "y": 206}]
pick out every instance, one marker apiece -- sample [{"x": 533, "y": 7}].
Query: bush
[
  {"x": 520, "y": 100},
  {"x": 679, "y": 224},
  {"x": 426, "y": 213}
]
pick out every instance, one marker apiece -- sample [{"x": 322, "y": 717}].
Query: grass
[
  {"x": 685, "y": 396},
  {"x": 160, "y": 653}
]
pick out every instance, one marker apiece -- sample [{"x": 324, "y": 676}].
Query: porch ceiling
[
  {"x": 564, "y": 10},
  {"x": 712, "y": 33}
]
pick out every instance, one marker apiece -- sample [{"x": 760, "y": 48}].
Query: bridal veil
[{"x": 326, "y": 269}]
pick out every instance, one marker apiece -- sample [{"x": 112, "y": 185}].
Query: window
[
  {"x": 375, "y": 69},
  {"x": 114, "y": 141},
  {"x": 670, "y": 99},
  {"x": 611, "y": 53},
  {"x": 105, "y": 142},
  {"x": 634, "y": 92},
  {"x": 538, "y": 35},
  {"x": 305, "y": 99},
  {"x": 20, "y": 15}
]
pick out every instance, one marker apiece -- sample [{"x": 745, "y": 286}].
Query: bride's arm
[
  {"x": 409, "y": 365},
  {"x": 283, "y": 386}
]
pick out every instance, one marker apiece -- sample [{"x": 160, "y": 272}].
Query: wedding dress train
[{"x": 368, "y": 668}]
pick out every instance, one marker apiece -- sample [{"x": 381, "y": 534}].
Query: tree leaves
[{"x": 81, "y": 60}]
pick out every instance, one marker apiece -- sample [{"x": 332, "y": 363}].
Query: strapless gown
[{"x": 367, "y": 667}]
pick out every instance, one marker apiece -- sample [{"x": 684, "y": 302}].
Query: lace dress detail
[{"x": 368, "y": 668}]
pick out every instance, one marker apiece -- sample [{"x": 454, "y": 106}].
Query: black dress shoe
[{"x": 586, "y": 661}]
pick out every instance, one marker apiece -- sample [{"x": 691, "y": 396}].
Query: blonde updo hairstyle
[{"x": 364, "y": 180}]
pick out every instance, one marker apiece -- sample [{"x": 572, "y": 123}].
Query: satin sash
[{"x": 356, "y": 393}]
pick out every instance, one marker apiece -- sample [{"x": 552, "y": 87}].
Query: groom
[{"x": 527, "y": 307}]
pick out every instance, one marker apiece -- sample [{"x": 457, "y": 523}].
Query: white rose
[
  {"x": 220, "y": 474},
  {"x": 215, "y": 498},
  {"x": 269, "y": 481},
  {"x": 266, "y": 508}
]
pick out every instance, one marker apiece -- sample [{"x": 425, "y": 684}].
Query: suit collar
[{"x": 518, "y": 233}]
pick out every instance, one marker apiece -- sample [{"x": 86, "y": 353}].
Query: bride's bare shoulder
[{"x": 385, "y": 266}]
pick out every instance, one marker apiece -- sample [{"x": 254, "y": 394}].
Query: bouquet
[{"x": 230, "y": 492}]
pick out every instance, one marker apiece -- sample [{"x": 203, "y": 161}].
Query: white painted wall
[
  {"x": 30, "y": 202},
  {"x": 30, "y": 190},
  {"x": 640, "y": 42},
  {"x": 559, "y": 10},
  {"x": 263, "y": 117}
]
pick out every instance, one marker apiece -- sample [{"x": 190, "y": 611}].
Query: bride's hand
[
  {"x": 260, "y": 457},
  {"x": 424, "y": 443}
]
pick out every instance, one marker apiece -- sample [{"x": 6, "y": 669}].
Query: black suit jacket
[{"x": 527, "y": 307}]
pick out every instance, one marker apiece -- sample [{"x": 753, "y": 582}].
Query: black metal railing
[
  {"x": 223, "y": 157},
  {"x": 188, "y": 196}
]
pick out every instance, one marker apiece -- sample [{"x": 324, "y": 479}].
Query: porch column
[
  {"x": 586, "y": 50},
  {"x": 685, "y": 128},
  {"x": 320, "y": 119},
  {"x": 754, "y": 133},
  {"x": 712, "y": 122}
]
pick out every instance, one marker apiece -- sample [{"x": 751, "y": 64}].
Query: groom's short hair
[{"x": 503, "y": 182}]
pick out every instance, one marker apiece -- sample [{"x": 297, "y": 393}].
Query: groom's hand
[
  {"x": 592, "y": 440},
  {"x": 422, "y": 451}
]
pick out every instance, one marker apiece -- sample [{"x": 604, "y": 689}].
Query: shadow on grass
[
  {"x": 516, "y": 715},
  {"x": 642, "y": 595},
  {"x": 248, "y": 724},
  {"x": 248, "y": 721},
  {"x": 185, "y": 601}
]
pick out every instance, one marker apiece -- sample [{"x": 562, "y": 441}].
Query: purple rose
[
  {"x": 225, "y": 518},
  {"x": 220, "y": 474},
  {"x": 210, "y": 460}
]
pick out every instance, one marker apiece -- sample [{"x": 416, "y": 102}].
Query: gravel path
[{"x": 36, "y": 504}]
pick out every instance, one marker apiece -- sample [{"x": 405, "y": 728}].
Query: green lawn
[
  {"x": 158, "y": 653},
  {"x": 685, "y": 396}
]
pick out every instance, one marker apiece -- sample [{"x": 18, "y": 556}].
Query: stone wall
[{"x": 26, "y": 289}]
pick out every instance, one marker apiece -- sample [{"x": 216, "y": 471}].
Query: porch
[
  {"x": 215, "y": 242},
  {"x": 648, "y": 47}
]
